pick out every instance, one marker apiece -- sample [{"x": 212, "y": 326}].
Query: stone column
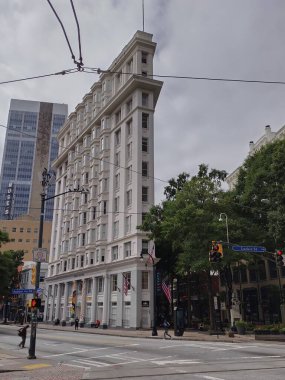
[
  {"x": 105, "y": 316},
  {"x": 65, "y": 305},
  {"x": 57, "y": 309},
  {"x": 83, "y": 304},
  {"x": 47, "y": 304},
  {"x": 93, "y": 303},
  {"x": 51, "y": 315}
]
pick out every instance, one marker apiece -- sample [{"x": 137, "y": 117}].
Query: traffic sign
[
  {"x": 40, "y": 255},
  {"x": 248, "y": 248},
  {"x": 25, "y": 291},
  {"x": 22, "y": 291}
]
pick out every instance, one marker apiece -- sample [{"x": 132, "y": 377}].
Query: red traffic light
[
  {"x": 279, "y": 252},
  {"x": 36, "y": 302}
]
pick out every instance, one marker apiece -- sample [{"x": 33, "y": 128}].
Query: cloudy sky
[{"x": 196, "y": 121}]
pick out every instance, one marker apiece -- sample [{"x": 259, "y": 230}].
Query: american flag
[
  {"x": 166, "y": 290},
  {"x": 126, "y": 284},
  {"x": 151, "y": 256}
]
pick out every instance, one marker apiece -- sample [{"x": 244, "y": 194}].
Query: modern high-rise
[
  {"x": 30, "y": 146},
  {"x": 106, "y": 147}
]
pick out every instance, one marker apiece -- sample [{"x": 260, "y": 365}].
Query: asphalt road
[{"x": 110, "y": 357}]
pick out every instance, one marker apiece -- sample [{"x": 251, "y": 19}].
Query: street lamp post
[
  {"x": 46, "y": 177},
  {"x": 144, "y": 257}
]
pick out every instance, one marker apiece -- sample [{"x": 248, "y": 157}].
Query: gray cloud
[{"x": 196, "y": 121}]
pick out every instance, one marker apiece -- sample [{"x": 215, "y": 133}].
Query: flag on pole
[
  {"x": 151, "y": 256},
  {"x": 166, "y": 290}
]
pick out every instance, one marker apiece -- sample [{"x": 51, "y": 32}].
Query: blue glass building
[{"x": 30, "y": 146}]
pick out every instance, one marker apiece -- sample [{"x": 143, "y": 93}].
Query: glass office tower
[{"x": 30, "y": 146}]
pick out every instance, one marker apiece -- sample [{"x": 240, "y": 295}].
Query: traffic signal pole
[{"x": 32, "y": 348}]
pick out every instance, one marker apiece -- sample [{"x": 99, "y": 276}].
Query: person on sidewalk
[
  {"x": 76, "y": 323},
  {"x": 166, "y": 326},
  {"x": 23, "y": 334}
]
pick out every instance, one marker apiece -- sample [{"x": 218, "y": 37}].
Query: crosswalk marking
[
  {"x": 92, "y": 362},
  {"x": 74, "y": 365},
  {"x": 179, "y": 361}
]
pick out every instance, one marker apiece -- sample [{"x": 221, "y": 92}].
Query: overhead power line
[
  {"x": 98, "y": 71},
  {"x": 79, "y": 64},
  {"x": 63, "y": 72}
]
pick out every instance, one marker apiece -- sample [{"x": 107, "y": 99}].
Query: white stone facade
[{"x": 106, "y": 146}]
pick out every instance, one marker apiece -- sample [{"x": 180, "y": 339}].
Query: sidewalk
[{"x": 125, "y": 332}]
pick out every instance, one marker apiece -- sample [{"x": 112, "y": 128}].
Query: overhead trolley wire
[
  {"x": 78, "y": 32},
  {"x": 79, "y": 64}
]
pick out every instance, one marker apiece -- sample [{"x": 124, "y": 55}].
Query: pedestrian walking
[
  {"x": 76, "y": 323},
  {"x": 22, "y": 332},
  {"x": 166, "y": 326}
]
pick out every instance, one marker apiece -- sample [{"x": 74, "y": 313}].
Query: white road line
[
  {"x": 92, "y": 363},
  {"x": 163, "y": 362},
  {"x": 90, "y": 349},
  {"x": 74, "y": 365},
  {"x": 260, "y": 357},
  {"x": 211, "y": 378}
]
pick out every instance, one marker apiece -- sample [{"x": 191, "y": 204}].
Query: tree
[{"x": 260, "y": 192}]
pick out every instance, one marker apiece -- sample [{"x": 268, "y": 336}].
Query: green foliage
[
  {"x": 9, "y": 262},
  {"x": 260, "y": 192}
]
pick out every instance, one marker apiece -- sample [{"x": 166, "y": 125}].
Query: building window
[
  {"x": 128, "y": 224},
  {"x": 93, "y": 213},
  {"x": 128, "y": 249},
  {"x": 129, "y": 151},
  {"x": 144, "y": 57},
  {"x": 73, "y": 263},
  {"x": 21, "y": 229},
  {"x": 144, "y": 169},
  {"x": 28, "y": 229},
  {"x": 114, "y": 282},
  {"x": 117, "y": 181},
  {"x": 144, "y": 99},
  {"x": 145, "y": 280},
  {"x": 100, "y": 284},
  {"x": 116, "y": 204},
  {"x": 103, "y": 231},
  {"x": 84, "y": 217},
  {"x": 81, "y": 261},
  {"x": 145, "y": 194},
  {"x": 117, "y": 159},
  {"x": 116, "y": 229},
  {"x": 118, "y": 117},
  {"x": 115, "y": 253},
  {"x": 129, "y": 127},
  {"x": 104, "y": 207},
  {"x": 145, "y": 120},
  {"x": 145, "y": 144},
  {"x": 14, "y": 229},
  {"x": 102, "y": 255},
  {"x": 144, "y": 246},
  {"x": 118, "y": 137},
  {"x": 129, "y": 105},
  {"x": 129, "y": 174},
  {"x": 129, "y": 198}
]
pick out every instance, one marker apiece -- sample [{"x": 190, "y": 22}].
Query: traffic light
[
  {"x": 216, "y": 252},
  {"x": 279, "y": 258},
  {"x": 36, "y": 303},
  {"x": 33, "y": 280}
]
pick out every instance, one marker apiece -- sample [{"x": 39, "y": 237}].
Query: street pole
[
  {"x": 154, "y": 329},
  {"x": 33, "y": 336}
]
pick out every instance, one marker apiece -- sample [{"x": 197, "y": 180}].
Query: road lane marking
[
  {"x": 91, "y": 349},
  {"x": 260, "y": 357},
  {"x": 74, "y": 365},
  {"x": 211, "y": 377},
  {"x": 92, "y": 363},
  {"x": 164, "y": 362}
]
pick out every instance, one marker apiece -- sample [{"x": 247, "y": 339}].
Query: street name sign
[
  {"x": 25, "y": 291},
  {"x": 248, "y": 248}
]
